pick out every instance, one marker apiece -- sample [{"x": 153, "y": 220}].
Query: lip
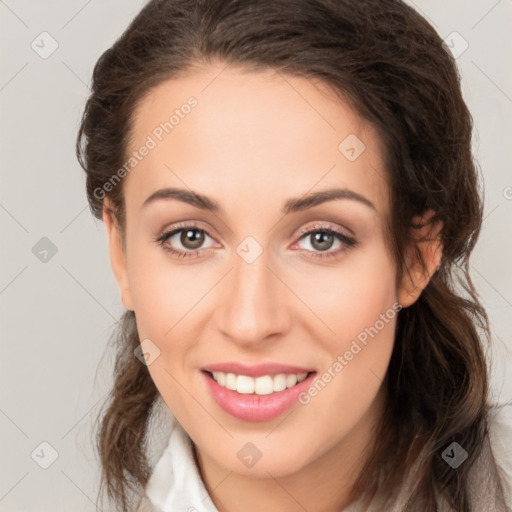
[
  {"x": 252, "y": 407},
  {"x": 256, "y": 370}
]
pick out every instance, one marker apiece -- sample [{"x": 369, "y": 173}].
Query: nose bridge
[{"x": 251, "y": 307}]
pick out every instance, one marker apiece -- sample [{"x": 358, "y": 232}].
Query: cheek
[
  {"x": 164, "y": 295},
  {"x": 162, "y": 292},
  {"x": 167, "y": 299},
  {"x": 352, "y": 297},
  {"x": 360, "y": 307}
]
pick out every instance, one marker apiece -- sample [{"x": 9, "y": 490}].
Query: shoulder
[{"x": 484, "y": 488}]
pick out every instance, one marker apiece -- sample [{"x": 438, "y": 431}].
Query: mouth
[
  {"x": 256, "y": 393},
  {"x": 263, "y": 385}
]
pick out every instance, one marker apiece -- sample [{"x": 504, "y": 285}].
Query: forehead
[{"x": 233, "y": 134}]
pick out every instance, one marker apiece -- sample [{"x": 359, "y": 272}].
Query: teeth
[
  {"x": 244, "y": 385},
  {"x": 230, "y": 381},
  {"x": 220, "y": 378},
  {"x": 280, "y": 382},
  {"x": 291, "y": 380},
  {"x": 264, "y": 385}
]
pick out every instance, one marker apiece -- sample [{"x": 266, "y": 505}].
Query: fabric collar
[{"x": 175, "y": 484}]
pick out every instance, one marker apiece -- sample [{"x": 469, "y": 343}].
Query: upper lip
[{"x": 256, "y": 370}]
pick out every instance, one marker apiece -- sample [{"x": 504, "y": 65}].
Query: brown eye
[
  {"x": 322, "y": 240},
  {"x": 192, "y": 238},
  {"x": 325, "y": 242},
  {"x": 185, "y": 241}
]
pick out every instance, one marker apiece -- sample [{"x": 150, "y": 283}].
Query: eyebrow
[{"x": 290, "y": 206}]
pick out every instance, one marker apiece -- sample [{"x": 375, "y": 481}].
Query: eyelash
[{"x": 348, "y": 241}]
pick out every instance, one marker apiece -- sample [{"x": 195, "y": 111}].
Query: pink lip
[
  {"x": 256, "y": 370},
  {"x": 256, "y": 407}
]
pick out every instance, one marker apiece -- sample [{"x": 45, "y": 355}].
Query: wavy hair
[{"x": 390, "y": 65}]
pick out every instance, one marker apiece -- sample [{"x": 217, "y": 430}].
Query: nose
[{"x": 253, "y": 308}]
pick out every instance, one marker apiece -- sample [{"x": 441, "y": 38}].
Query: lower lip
[{"x": 256, "y": 407}]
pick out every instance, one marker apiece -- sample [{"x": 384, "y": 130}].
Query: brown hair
[{"x": 391, "y": 66}]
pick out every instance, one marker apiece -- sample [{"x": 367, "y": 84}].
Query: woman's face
[{"x": 249, "y": 293}]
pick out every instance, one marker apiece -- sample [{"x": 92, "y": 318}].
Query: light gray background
[{"x": 57, "y": 315}]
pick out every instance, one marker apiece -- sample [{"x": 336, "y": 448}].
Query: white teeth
[
  {"x": 244, "y": 385},
  {"x": 280, "y": 382},
  {"x": 291, "y": 380},
  {"x": 264, "y": 385},
  {"x": 220, "y": 378},
  {"x": 230, "y": 381}
]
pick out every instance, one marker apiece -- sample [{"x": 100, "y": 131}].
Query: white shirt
[{"x": 176, "y": 485}]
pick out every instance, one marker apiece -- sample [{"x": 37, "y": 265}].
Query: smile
[
  {"x": 264, "y": 385},
  {"x": 256, "y": 393}
]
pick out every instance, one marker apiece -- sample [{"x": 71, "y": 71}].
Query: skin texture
[{"x": 253, "y": 141}]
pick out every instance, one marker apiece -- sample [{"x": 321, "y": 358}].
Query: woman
[{"x": 291, "y": 202}]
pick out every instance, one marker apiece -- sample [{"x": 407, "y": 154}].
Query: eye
[
  {"x": 322, "y": 239},
  {"x": 190, "y": 237}
]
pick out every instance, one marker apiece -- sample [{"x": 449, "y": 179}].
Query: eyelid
[
  {"x": 326, "y": 227},
  {"x": 186, "y": 224},
  {"x": 166, "y": 233}
]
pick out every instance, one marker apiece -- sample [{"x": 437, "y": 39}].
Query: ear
[
  {"x": 426, "y": 244},
  {"x": 117, "y": 255}
]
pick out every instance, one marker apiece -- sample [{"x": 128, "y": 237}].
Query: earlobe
[
  {"x": 117, "y": 256},
  {"x": 426, "y": 245}
]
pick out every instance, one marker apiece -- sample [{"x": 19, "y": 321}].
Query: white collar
[{"x": 175, "y": 484}]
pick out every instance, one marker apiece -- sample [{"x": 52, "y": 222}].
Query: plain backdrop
[{"x": 59, "y": 300}]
